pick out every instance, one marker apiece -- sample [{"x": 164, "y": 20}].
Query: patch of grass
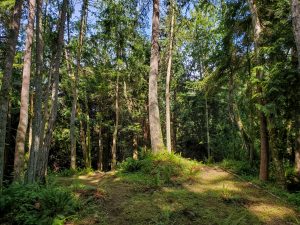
[
  {"x": 159, "y": 169},
  {"x": 36, "y": 204},
  {"x": 71, "y": 172},
  {"x": 240, "y": 167},
  {"x": 250, "y": 173}
]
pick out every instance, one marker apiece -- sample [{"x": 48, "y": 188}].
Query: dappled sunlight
[{"x": 271, "y": 212}]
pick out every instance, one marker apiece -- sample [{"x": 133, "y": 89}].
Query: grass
[
  {"x": 250, "y": 173},
  {"x": 165, "y": 190}
]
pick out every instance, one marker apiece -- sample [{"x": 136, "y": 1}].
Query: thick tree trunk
[
  {"x": 154, "y": 119},
  {"x": 135, "y": 153},
  {"x": 75, "y": 88},
  {"x": 37, "y": 115},
  {"x": 264, "y": 139},
  {"x": 44, "y": 153},
  {"x": 296, "y": 29},
  {"x": 115, "y": 134},
  {"x": 168, "y": 79},
  {"x": 23, "y": 121},
  {"x": 13, "y": 34}
]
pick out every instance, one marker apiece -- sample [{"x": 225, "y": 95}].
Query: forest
[{"x": 149, "y": 112}]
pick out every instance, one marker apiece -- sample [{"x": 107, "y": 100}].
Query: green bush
[
  {"x": 35, "y": 204},
  {"x": 240, "y": 167},
  {"x": 159, "y": 169}
]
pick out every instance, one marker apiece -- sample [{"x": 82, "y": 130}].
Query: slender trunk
[
  {"x": 115, "y": 134},
  {"x": 100, "y": 150},
  {"x": 168, "y": 80},
  {"x": 88, "y": 133},
  {"x": 135, "y": 154},
  {"x": 207, "y": 129},
  {"x": 84, "y": 145},
  {"x": 12, "y": 40},
  {"x": 23, "y": 120},
  {"x": 154, "y": 119},
  {"x": 44, "y": 153},
  {"x": 30, "y": 122},
  {"x": 264, "y": 139},
  {"x": 296, "y": 29},
  {"x": 75, "y": 88}
]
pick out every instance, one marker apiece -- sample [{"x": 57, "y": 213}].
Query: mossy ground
[{"x": 196, "y": 195}]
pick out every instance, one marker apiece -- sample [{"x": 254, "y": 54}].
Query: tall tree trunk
[
  {"x": 12, "y": 40},
  {"x": 100, "y": 150},
  {"x": 296, "y": 29},
  {"x": 264, "y": 139},
  {"x": 75, "y": 88},
  {"x": 44, "y": 153},
  {"x": 207, "y": 129},
  {"x": 30, "y": 122},
  {"x": 168, "y": 79},
  {"x": 157, "y": 144},
  {"x": 115, "y": 134},
  {"x": 23, "y": 121}
]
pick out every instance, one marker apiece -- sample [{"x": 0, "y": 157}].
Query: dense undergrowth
[
  {"x": 37, "y": 204},
  {"x": 249, "y": 173},
  {"x": 158, "y": 170}
]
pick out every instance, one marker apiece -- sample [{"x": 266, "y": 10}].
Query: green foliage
[
  {"x": 35, "y": 204},
  {"x": 159, "y": 169},
  {"x": 240, "y": 167}
]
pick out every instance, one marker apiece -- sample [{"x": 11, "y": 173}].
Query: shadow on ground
[{"x": 214, "y": 198}]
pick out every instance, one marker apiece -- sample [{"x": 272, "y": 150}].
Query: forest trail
[{"x": 213, "y": 197}]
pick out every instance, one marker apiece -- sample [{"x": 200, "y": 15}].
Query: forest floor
[{"x": 212, "y": 197}]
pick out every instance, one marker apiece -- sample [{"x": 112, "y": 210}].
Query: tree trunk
[
  {"x": 264, "y": 139},
  {"x": 115, "y": 134},
  {"x": 75, "y": 88},
  {"x": 23, "y": 121},
  {"x": 135, "y": 154},
  {"x": 168, "y": 79},
  {"x": 207, "y": 129},
  {"x": 37, "y": 128},
  {"x": 13, "y": 34},
  {"x": 44, "y": 153},
  {"x": 296, "y": 29},
  {"x": 100, "y": 150},
  {"x": 37, "y": 115},
  {"x": 154, "y": 119}
]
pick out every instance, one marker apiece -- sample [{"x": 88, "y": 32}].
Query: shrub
[
  {"x": 159, "y": 169},
  {"x": 35, "y": 204}
]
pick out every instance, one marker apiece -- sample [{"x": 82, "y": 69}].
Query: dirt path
[{"x": 214, "y": 197}]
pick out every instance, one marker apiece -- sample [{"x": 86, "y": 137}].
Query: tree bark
[
  {"x": 115, "y": 134},
  {"x": 207, "y": 129},
  {"x": 13, "y": 34},
  {"x": 296, "y": 28},
  {"x": 154, "y": 119},
  {"x": 23, "y": 120},
  {"x": 44, "y": 153},
  {"x": 264, "y": 139},
  {"x": 76, "y": 79},
  {"x": 100, "y": 150},
  {"x": 168, "y": 79}
]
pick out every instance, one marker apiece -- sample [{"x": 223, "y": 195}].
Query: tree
[
  {"x": 37, "y": 117},
  {"x": 75, "y": 85},
  {"x": 14, "y": 27},
  {"x": 296, "y": 28},
  {"x": 44, "y": 153},
  {"x": 154, "y": 119},
  {"x": 168, "y": 78},
  {"x": 23, "y": 121},
  {"x": 264, "y": 139}
]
